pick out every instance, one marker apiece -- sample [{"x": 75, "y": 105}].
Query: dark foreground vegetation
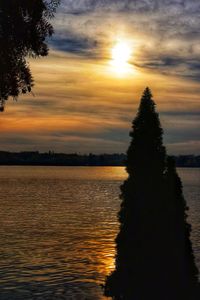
[
  {"x": 154, "y": 256},
  {"x": 24, "y": 29},
  {"x": 62, "y": 159}
]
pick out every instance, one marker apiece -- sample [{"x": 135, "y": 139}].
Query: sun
[{"x": 121, "y": 54}]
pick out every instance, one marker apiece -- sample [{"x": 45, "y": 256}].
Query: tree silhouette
[
  {"x": 154, "y": 258},
  {"x": 181, "y": 259},
  {"x": 24, "y": 27}
]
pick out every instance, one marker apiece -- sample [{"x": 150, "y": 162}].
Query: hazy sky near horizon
[{"x": 83, "y": 103}]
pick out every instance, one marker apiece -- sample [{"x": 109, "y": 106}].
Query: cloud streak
[{"x": 74, "y": 43}]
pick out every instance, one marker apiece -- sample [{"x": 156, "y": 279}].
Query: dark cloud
[
  {"x": 169, "y": 65},
  {"x": 194, "y": 113},
  {"x": 180, "y": 126},
  {"x": 67, "y": 143},
  {"x": 184, "y": 148},
  {"x": 180, "y": 135},
  {"x": 74, "y": 43}
]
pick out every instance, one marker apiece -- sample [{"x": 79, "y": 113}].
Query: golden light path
[{"x": 121, "y": 54}]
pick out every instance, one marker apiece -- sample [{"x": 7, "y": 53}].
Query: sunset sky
[{"x": 87, "y": 92}]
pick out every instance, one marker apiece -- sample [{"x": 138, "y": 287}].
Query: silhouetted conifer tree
[
  {"x": 180, "y": 261},
  {"x": 154, "y": 257},
  {"x": 24, "y": 26}
]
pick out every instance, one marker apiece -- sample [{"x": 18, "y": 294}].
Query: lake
[{"x": 58, "y": 225}]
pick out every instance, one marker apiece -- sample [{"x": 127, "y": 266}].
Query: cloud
[
  {"x": 74, "y": 43},
  {"x": 144, "y": 6},
  {"x": 168, "y": 32},
  {"x": 67, "y": 143},
  {"x": 166, "y": 18},
  {"x": 184, "y": 148},
  {"x": 181, "y": 128},
  {"x": 175, "y": 66}
]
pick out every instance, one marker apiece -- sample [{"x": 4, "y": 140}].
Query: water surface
[{"x": 57, "y": 228}]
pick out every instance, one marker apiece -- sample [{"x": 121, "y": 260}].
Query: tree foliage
[
  {"x": 154, "y": 258},
  {"x": 24, "y": 27}
]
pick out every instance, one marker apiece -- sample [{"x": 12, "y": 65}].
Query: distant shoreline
[
  {"x": 90, "y": 160},
  {"x": 78, "y": 166}
]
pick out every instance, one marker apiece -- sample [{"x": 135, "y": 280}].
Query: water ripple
[{"x": 57, "y": 228}]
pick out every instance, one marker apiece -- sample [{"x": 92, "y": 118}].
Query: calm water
[{"x": 57, "y": 228}]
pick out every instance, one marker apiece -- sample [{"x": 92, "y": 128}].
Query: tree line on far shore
[{"x": 74, "y": 159}]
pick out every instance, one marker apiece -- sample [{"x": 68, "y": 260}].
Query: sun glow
[{"x": 121, "y": 54}]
